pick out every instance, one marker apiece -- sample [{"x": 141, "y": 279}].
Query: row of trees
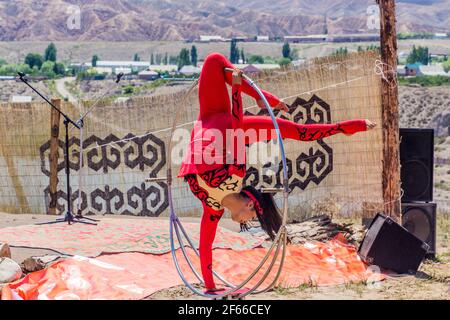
[
  {"x": 344, "y": 50},
  {"x": 186, "y": 57},
  {"x": 426, "y": 81},
  {"x": 237, "y": 56},
  {"x": 190, "y": 57},
  {"x": 36, "y": 64},
  {"x": 419, "y": 54}
]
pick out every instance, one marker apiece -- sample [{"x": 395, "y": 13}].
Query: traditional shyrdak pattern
[
  {"x": 144, "y": 154},
  {"x": 148, "y": 154},
  {"x": 313, "y": 166}
]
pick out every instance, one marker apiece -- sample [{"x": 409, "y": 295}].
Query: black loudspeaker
[
  {"x": 417, "y": 161},
  {"x": 420, "y": 220},
  {"x": 390, "y": 246}
]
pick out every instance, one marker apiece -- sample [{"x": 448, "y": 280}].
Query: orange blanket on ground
[{"x": 137, "y": 275}]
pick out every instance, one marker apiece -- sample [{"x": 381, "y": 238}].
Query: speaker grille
[
  {"x": 420, "y": 220},
  {"x": 416, "y": 157},
  {"x": 416, "y": 221},
  {"x": 416, "y": 177}
]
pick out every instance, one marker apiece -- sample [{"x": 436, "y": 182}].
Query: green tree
[
  {"x": 166, "y": 59},
  {"x": 286, "y": 50},
  {"x": 194, "y": 55},
  {"x": 50, "y": 53},
  {"x": 183, "y": 58},
  {"x": 128, "y": 90},
  {"x": 8, "y": 70},
  {"x": 35, "y": 71},
  {"x": 419, "y": 54},
  {"x": 95, "y": 58},
  {"x": 136, "y": 57},
  {"x": 152, "y": 59},
  {"x": 340, "y": 51},
  {"x": 256, "y": 59},
  {"x": 2, "y": 62},
  {"x": 158, "y": 58},
  {"x": 242, "y": 55},
  {"x": 373, "y": 47},
  {"x": 59, "y": 68},
  {"x": 173, "y": 60},
  {"x": 412, "y": 57},
  {"x": 34, "y": 59},
  {"x": 23, "y": 67},
  {"x": 284, "y": 61},
  {"x": 234, "y": 52},
  {"x": 446, "y": 65},
  {"x": 48, "y": 68}
]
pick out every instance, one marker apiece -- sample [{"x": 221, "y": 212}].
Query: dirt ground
[{"x": 431, "y": 282}]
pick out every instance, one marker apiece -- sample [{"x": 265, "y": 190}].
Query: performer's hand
[
  {"x": 370, "y": 125},
  {"x": 237, "y": 76},
  {"x": 281, "y": 106},
  {"x": 216, "y": 290},
  {"x": 220, "y": 291}
]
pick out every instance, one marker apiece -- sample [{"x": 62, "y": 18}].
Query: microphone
[
  {"x": 22, "y": 77},
  {"x": 119, "y": 76}
]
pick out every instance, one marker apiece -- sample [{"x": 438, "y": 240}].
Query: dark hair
[{"x": 271, "y": 219}]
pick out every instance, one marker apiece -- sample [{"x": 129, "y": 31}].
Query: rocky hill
[{"x": 125, "y": 20}]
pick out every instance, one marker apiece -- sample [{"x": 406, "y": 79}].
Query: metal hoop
[{"x": 280, "y": 239}]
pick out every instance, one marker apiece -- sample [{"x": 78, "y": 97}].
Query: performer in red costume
[{"x": 218, "y": 184}]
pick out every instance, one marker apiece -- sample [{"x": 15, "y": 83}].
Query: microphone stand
[{"x": 69, "y": 218}]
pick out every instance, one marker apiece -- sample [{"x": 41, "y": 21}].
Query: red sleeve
[
  {"x": 353, "y": 126},
  {"x": 208, "y": 228},
  {"x": 260, "y": 128}
]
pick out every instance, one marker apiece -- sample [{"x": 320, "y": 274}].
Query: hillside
[{"x": 125, "y": 20}]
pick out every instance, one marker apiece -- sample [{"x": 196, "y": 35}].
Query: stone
[
  {"x": 5, "y": 252},
  {"x": 32, "y": 264},
  {"x": 10, "y": 271}
]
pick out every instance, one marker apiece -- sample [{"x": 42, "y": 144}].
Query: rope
[
  {"x": 386, "y": 72},
  {"x": 248, "y": 108}
]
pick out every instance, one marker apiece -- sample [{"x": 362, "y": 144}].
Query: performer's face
[{"x": 244, "y": 211}]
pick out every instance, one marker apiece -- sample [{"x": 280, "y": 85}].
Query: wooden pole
[
  {"x": 54, "y": 155},
  {"x": 390, "y": 118}
]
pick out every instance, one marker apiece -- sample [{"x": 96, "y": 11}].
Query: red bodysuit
[{"x": 216, "y": 113}]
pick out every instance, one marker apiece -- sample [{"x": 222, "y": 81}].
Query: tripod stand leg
[
  {"x": 85, "y": 222},
  {"x": 67, "y": 218},
  {"x": 80, "y": 216}
]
